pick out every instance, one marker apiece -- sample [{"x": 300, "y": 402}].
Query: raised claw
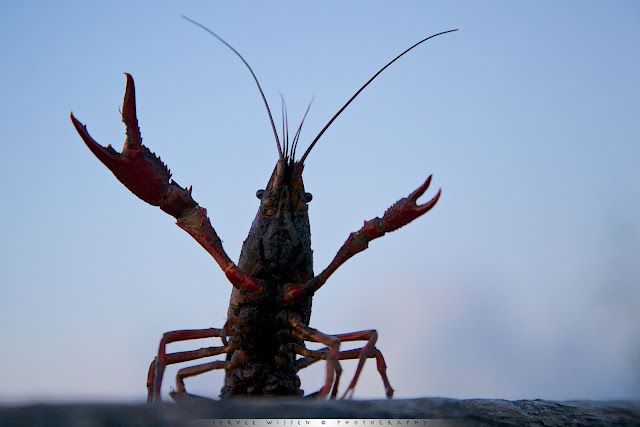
[
  {"x": 400, "y": 214},
  {"x": 407, "y": 209},
  {"x": 147, "y": 177},
  {"x": 136, "y": 167}
]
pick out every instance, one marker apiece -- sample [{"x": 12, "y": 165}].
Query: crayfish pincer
[{"x": 267, "y": 325}]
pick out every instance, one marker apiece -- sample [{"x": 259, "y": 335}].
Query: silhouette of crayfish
[{"x": 273, "y": 283}]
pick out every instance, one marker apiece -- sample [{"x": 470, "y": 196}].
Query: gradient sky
[{"x": 523, "y": 282}]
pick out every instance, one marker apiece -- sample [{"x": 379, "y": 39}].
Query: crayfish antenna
[
  {"x": 306, "y": 153},
  {"x": 266, "y": 104}
]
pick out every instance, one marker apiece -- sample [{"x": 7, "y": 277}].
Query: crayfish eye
[
  {"x": 308, "y": 197},
  {"x": 259, "y": 194}
]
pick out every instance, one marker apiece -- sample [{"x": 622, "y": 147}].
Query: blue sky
[{"x": 523, "y": 282}]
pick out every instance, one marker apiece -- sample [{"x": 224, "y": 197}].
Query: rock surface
[{"x": 467, "y": 412}]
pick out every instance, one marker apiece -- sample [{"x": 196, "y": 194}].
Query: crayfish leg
[
  {"x": 369, "y": 351},
  {"x": 302, "y": 331},
  {"x": 158, "y": 365}
]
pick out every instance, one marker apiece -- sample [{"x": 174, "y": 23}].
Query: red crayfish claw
[
  {"x": 407, "y": 209},
  {"x": 136, "y": 167}
]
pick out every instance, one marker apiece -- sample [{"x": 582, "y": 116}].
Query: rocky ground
[{"x": 467, "y": 412}]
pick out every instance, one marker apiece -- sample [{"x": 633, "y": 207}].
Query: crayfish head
[
  {"x": 280, "y": 236},
  {"x": 284, "y": 194}
]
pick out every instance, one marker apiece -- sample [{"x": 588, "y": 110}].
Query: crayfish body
[{"x": 273, "y": 283}]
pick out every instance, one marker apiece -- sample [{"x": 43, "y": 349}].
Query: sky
[{"x": 522, "y": 283}]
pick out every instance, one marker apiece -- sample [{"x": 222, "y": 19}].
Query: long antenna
[
  {"x": 273, "y": 125},
  {"x": 306, "y": 153}
]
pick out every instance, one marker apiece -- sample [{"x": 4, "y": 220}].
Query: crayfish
[{"x": 273, "y": 282}]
